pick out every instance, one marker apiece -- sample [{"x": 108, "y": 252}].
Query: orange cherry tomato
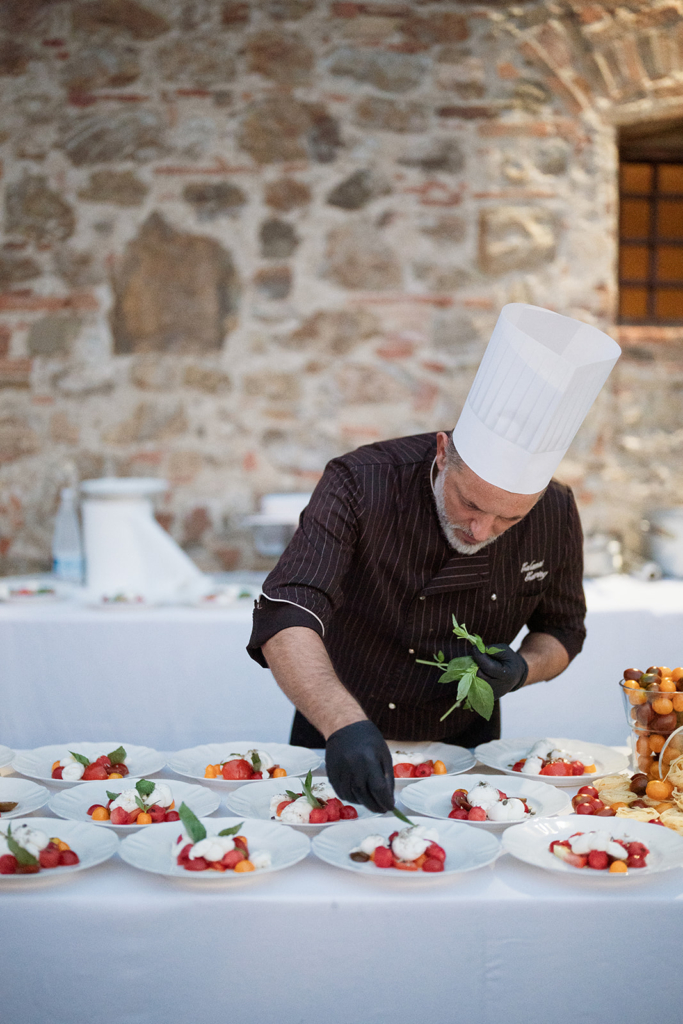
[
  {"x": 244, "y": 865},
  {"x": 143, "y": 818}
]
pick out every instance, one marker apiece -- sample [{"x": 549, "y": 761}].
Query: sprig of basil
[
  {"x": 231, "y": 831},
  {"x": 193, "y": 825}
]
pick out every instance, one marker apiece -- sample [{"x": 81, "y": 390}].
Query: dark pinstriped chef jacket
[{"x": 370, "y": 570}]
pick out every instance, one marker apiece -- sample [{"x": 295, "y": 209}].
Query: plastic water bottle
[{"x": 67, "y": 547}]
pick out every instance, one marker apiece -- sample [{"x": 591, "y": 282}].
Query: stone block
[
  {"x": 207, "y": 378},
  {"x": 18, "y": 440},
  {"x": 37, "y": 107},
  {"x": 391, "y": 115},
  {"x": 14, "y": 57},
  {"x": 79, "y": 267},
  {"x": 173, "y": 292},
  {"x": 358, "y": 257},
  {"x": 283, "y": 57},
  {"x": 274, "y": 129},
  {"x": 15, "y": 373},
  {"x": 361, "y": 383},
  {"x": 386, "y": 70},
  {"x": 323, "y": 138},
  {"x": 435, "y": 29},
  {"x": 274, "y": 386},
  {"x": 214, "y": 199},
  {"x": 118, "y": 16},
  {"x": 333, "y": 332},
  {"x": 119, "y": 188},
  {"x": 441, "y": 154},
  {"x": 287, "y": 194},
  {"x": 235, "y": 14},
  {"x": 357, "y": 190},
  {"x": 15, "y": 269},
  {"x": 552, "y": 158},
  {"x": 113, "y": 137},
  {"x": 147, "y": 423},
  {"x": 516, "y": 238},
  {"x": 288, "y": 10},
  {"x": 63, "y": 430},
  {"x": 447, "y": 229},
  {"x": 53, "y": 335},
  {"x": 183, "y": 467},
  {"x": 278, "y": 239},
  {"x": 34, "y": 210},
  {"x": 100, "y": 67},
  {"x": 201, "y": 60},
  {"x": 5, "y": 340},
  {"x": 154, "y": 373},
  {"x": 274, "y": 282}
]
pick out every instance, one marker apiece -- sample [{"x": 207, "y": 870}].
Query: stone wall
[{"x": 240, "y": 238}]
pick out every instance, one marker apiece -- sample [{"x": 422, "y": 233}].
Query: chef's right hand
[{"x": 359, "y": 766}]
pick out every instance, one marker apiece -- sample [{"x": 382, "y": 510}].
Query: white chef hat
[{"x": 540, "y": 375}]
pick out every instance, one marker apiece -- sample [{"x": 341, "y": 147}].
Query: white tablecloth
[
  {"x": 176, "y": 677},
  {"x": 507, "y": 944}
]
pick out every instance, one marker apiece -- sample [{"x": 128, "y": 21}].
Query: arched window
[{"x": 651, "y": 224}]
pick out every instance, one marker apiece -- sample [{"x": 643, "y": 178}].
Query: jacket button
[
  {"x": 422, "y": 597},
  {"x": 494, "y": 597},
  {"x": 392, "y": 707},
  {"x": 411, "y": 651}
]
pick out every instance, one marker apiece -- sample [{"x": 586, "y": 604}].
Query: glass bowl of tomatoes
[{"x": 653, "y": 702}]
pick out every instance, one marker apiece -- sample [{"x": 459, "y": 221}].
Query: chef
[{"x": 401, "y": 536}]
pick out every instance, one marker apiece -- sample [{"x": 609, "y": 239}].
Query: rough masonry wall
[{"x": 241, "y": 238}]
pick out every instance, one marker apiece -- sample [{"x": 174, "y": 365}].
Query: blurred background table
[{"x": 176, "y": 677}]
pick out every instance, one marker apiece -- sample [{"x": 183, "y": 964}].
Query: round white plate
[
  {"x": 37, "y": 764},
  {"x": 73, "y": 803},
  {"x": 433, "y": 797},
  {"x": 502, "y": 754},
  {"x": 456, "y": 759},
  {"x": 254, "y": 802},
  {"x": 530, "y": 841},
  {"x": 6, "y": 756},
  {"x": 466, "y": 848},
  {"x": 156, "y": 849},
  {"x": 93, "y": 846},
  {"x": 28, "y": 795},
  {"x": 193, "y": 761}
]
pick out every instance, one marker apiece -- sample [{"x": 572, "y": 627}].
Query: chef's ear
[{"x": 441, "y": 442}]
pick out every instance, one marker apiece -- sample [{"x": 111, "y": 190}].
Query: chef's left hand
[{"x": 505, "y": 671}]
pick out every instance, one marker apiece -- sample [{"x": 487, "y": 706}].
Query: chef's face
[{"x": 475, "y": 512}]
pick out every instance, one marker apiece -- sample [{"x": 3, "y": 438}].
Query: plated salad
[
  {"x": 26, "y": 851},
  {"x": 75, "y": 767},
  {"x": 486, "y": 803},
  {"x": 148, "y": 803},
  {"x": 226, "y": 851},
  {"x": 545, "y": 759},
  {"x": 601, "y": 852},
  {"x": 414, "y": 848},
  {"x": 253, "y": 765},
  {"x": 318, "y": 804}
]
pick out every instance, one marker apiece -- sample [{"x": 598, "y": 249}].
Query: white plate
[
  {"x": 156, "y": 849},
  {"x": 456, "y": 759},
  {"x": 73, "y": 803},
  {"x": 6, "y": 756},
  {"x": 193, "y": 761},
  {"x": 501, "y": 754},
  {"x": 37, "y": 764},
  {"x": 93, "y": 846},
  {"x": 433, "y": 797},
  {"x": 530, "y": 841},
  {"x": 28, "y": 795},
  {"x": 254, "y": 802},
  {"x": 466, "y": 848}
]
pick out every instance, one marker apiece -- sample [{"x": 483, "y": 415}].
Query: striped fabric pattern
[{"x": 370, "y": 570}]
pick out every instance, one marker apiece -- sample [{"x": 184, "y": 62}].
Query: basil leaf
[
  {"x": 144, "y": 787},
  {"x": 461, "y": 631},
  {"x": 113, "y": 796},
  {"x": 441, "y": 656},
  {"x": 493, "y": 650},
  {"x": 293, "y": 796},
  {"x": 457, "y": 668},
  {"x": 80, "y": 758},
  {"x": 308, "y": 790},
  {"x": 22, "y": 855},
  {"x": 193, "y": 825},
  {"x": 256, "y": 760},
  {"x": 480, "y": 698},
  {"x": 231, "y": 831},
  {"x": 141, "y": 805},
  {"x": 117, "y": 756},
  {"x": 401, "y": 815},
  {"x": 465, "y": 683}
]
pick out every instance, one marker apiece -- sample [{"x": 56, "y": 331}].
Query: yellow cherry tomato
[
  {"x": 244, "y": 865},
  {"x": 440, "y": 768},
  {"x": 618, "y": 867}
]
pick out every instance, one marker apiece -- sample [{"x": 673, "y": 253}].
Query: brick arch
[{"x": 622, "y": 61}]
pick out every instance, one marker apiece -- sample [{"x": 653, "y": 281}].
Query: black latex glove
[
  {"x": 359, "y": 766},
  {"x": 505, "y": 671}
]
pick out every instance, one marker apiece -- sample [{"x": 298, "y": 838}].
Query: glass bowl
[{"x": 652, "y": 716}]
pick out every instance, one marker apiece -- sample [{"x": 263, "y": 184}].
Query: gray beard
[{"x": 446, "y": 525}]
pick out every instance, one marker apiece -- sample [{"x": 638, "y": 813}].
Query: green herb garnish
[
  {"x": 113, "y": 796},
  {"x": 308, "y": 790},
  {"x": 474, "y": 693},
  {"x": 402, "y": 817},
  {"x": 81, "y": 758},
  {"x": 144, "y": 787},
  {"x": 117, "y": 756},
  {"x": 23, "y": 856},
  {"x": 193, "y": 825},
  {"x": 231, "y": 831},
  {"x": 256, "y": 761}
]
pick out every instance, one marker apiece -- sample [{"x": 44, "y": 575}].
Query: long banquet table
[
  {"x": 176, "y": 677},
  {"x": 506, "y": 944}
]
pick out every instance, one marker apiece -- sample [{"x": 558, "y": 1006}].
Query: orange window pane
[
  {"x": 669, "y": 263},
  {"x": 633, "y": 303},
  {"x": 636, "y": 178},
  {"x": 669, "y": 304},
  {"x": 633, "y": 262},
  {"x": 670, "y": 218},
  {"x": 635, "y": 218},
  {"x": 671, "y": 178}
]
